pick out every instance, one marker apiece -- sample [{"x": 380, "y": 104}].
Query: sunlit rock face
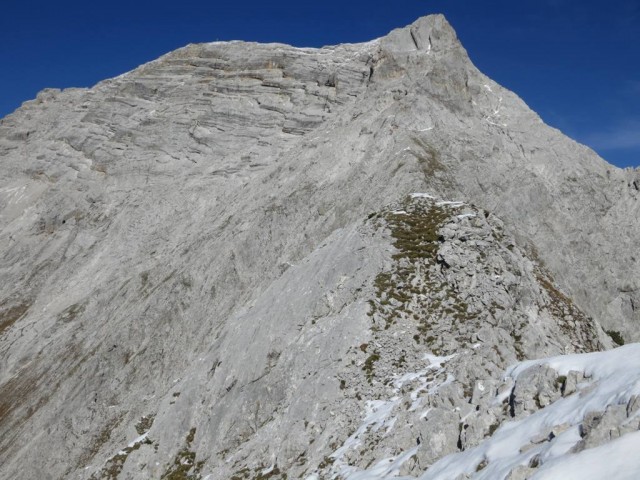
[{"x": 258, "y": 261}]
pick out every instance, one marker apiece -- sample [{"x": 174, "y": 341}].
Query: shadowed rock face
[{"x": 218, "y": 250}]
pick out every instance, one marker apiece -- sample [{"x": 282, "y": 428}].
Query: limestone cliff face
[{"x": 212, "y": 264}]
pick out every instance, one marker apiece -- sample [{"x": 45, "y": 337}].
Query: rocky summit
[{"x": 367, "y": 261}]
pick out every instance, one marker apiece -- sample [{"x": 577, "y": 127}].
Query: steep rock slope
[{"x": 201, "y": 260}]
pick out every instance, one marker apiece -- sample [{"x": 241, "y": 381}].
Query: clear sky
[{"x": 576, "y": 63}]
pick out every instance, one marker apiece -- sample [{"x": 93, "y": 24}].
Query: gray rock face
[{"x": 213, "y": 265}]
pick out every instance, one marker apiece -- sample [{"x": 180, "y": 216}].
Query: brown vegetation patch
[{"x": 11, "y": 315}]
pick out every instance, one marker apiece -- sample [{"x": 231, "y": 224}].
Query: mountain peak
[{"x": 429, "y": 33}]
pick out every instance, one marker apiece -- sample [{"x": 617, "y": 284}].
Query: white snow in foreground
[
  {"x": 611, "y": 377},
  {"x": 376, "y": 416},
  {"x": 618, "y": 459},
  {"x": 623, "y": 360}
]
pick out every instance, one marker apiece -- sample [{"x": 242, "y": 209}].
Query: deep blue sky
[{"x": 577, "y": 63}]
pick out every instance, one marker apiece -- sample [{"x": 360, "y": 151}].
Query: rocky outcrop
[
  {"x": 553, "y": 432},
  {"x": 218, "y": 265}
]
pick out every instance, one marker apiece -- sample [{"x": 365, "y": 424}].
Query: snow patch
[
  {"x": 611, "y": 378},
  {"x": 135, "y": 442},
  {"x": 450, "y": 204},
  {"x": 378, "y": 415},
  {"x": 387, "y": 468},
  {"x": 422, "y": 195},
  {"x": 617, "y": 459}
]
